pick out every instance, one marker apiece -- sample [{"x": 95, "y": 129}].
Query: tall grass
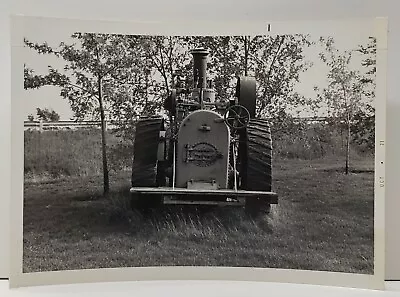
[
  {"x": 324, "y": 221},
  {"x": 55, "y": 154},
  {"x": 306, "y": 141}
]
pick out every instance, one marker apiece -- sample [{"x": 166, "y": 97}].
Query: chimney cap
[{"x": 200, "y": 51}]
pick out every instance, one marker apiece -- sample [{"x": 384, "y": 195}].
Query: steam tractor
[{"x": 205, "y": 151}]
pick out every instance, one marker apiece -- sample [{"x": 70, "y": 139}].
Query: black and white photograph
[{"x": 198, "y": 150}]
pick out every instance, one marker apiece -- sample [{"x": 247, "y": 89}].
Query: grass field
[
  {"x": 324, "y": 221},
  {"x": 58, "y": 154}
]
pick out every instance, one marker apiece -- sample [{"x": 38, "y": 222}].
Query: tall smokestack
[{"x": 200, "y": 67}]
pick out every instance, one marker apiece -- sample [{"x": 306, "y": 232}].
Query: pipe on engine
[{"x": 200, "y": 67}]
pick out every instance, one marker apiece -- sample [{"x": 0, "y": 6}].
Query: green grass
[{"x": 324, "y": 221}]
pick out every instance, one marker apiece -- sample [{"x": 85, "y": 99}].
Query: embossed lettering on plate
[{"x": 202, "y": 154}]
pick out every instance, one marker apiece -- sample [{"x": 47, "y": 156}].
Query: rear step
[
  {"x": 270, "y": 196},
  {"x": 171, "y": 200}
]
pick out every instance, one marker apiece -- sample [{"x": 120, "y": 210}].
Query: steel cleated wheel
[
  {"x": 255, "y": 157},
  {"x": 146, "y": 169}
]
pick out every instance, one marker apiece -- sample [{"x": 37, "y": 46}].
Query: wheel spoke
[
  {"x": 234, "y": 111},
  {"x": 243, "y": 124}
]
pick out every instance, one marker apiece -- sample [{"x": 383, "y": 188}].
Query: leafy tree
[
  {"x": 120, "y": 77},
  {"x": 224, "y": 63},
  {"x": 278, "y": 62},
  {"x": 364, "y": 126},
  {"x": 343, "y": 98},
  {"x": 46, "y": 115},
  {"x": 167, "y": 56},
  {"x": 94, "y": 66},
  {"x": 275, "y": 61},
  {"x": 369, "y": 51}
]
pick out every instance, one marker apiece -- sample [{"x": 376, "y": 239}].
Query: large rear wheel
[
  {"x": 246, "y": 93},
  {"x": 255, "y": 157},
  {"x": 147, "y": 171}
]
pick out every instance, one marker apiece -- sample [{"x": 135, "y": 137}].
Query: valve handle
[{"x": 237, "y": 117}]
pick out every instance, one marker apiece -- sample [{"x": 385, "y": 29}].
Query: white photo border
[{"x": 19, "y": 279}]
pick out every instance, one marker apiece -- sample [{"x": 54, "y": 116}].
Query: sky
[{"x": 49, "y": 97}]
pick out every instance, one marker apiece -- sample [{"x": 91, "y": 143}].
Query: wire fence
[
  {"x": 73, "y": 125},
  {"x": 64, "y": 125}
]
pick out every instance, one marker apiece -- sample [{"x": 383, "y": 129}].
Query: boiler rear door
[{"x": 203, "y": 151}]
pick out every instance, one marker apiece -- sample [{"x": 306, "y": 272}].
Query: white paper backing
[{"x": 220, "y": 11}]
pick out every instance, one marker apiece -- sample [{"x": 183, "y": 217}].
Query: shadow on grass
[
  {"x": 324, "y": 221},
  {"x": 342, "y": 170},
  {"x": 186, "y": 220}
]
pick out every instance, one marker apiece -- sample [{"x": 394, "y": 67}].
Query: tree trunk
[
  {"x": 341, "y": 137},
  {"x": 246, "y": 54},
  {"x": 106, "y": 180},
  {"x": 348, "y": 148}
]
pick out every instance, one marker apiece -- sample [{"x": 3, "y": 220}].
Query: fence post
[{"x": 40, "y": 126}]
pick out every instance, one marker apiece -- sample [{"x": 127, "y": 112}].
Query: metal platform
[
  {"x": 172, "y": 200},
  {"x": 195, "y": 193}
]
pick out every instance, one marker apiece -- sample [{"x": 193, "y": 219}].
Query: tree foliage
[
  {"x": 46, "y": 115},
  {"x": 345, "y": 99},
  {"x": 363, "y": 129},
  {"x": 275, "y": 61},
  {"x": 118, "y": 78},
  {"x": 95, "y": 65}
]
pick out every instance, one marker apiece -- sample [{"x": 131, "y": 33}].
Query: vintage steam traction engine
[{"x": 212, "y": 152}]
